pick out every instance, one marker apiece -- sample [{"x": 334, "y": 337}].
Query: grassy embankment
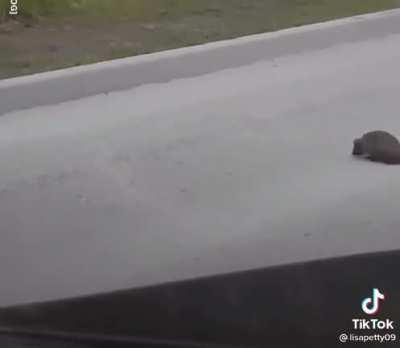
[{"x": 52, "y": 34}]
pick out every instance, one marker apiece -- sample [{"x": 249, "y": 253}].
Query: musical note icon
[{"x": 371, "y": 305}]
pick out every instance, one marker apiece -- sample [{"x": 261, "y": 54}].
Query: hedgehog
[{"x": 378, "y": 146}]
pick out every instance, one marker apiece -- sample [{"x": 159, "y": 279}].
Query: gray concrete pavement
[{"x": 245, "y": 167}]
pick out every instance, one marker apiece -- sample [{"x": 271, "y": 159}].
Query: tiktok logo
[{"x": 370, "y": 305}]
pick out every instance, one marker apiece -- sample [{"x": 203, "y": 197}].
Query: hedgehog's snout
[{"x": 357, "y": 148}]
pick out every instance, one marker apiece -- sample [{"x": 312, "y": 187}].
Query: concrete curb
[{"x": 79, "y": 82}]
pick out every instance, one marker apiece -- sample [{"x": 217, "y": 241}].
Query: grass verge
[{"x": 53, "y": 34}]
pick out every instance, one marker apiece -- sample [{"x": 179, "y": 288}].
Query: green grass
[
  {"x": 155, "y": 9},
  {"x": 134, "y": 9},
  {"x": 109, "y": 29}
]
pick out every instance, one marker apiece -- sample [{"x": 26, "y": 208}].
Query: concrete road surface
[{"x": 245, "y": 167}]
